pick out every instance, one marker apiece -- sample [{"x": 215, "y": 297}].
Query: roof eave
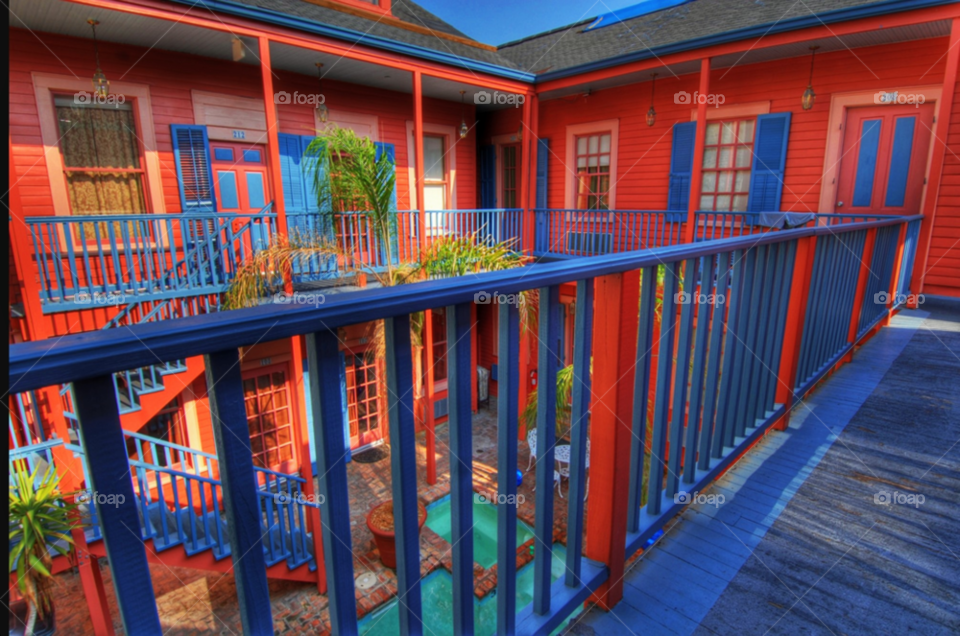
[
  {"x": 277, "y": 18},
  {"x": 792, "y": 24}
]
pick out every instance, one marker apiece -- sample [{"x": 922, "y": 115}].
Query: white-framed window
[
  {"x": 591, "y": 150},
  {"x": 727, "y": 160}
]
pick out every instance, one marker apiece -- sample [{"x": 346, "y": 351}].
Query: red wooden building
[{"x": 581, "y": 141}]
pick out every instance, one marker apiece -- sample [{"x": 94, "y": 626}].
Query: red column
[
  {"x": 793, "y": 334},
  {"x": 530, "y": 221},
  {"x": 273, "y": 141},
  {"x": 895, "y": 275},
  {"x": 418, "y": 151},
  {"x": 611, "y": 405},
  {"x": 21, "y": 243},
  {"x": 91, "y": 581},
  {"x": 937, "y": 153},
  {"x": 862, "y": 279},
  {"x": 697, "y": 176}
]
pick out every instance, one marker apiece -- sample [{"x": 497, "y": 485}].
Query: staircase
[
  {"x": 179, "y": 498},
  {"x": 131, "y": 385}
]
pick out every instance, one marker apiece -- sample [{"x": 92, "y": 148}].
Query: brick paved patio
[{"x": 202, "y": 602}]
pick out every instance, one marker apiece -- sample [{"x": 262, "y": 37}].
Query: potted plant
[
  {"x": 40, "y": 519},
  {"x": 380, "y": 522}
]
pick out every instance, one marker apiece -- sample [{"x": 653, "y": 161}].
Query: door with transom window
[
  {"x": 266, "y": 395},
  {"x": 365, "y": 404}
]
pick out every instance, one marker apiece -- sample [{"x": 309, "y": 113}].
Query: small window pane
[
  {"x": 713, "y": 133},
  {"x": 725, "y": 182},
  {"x": 582, "y": 146},
  {"x": 743, "y": 181},
  {"x": 605, "y": 161},
  {"x": 605, "y": 143},
  {"x": 726, "y": 158},
  {"x": 592, "y": 162},
  {"x": 594, "y": 144},
  {"x": 433, "y": 159},
  {"x": 706, "y": 203},
  {"x": 743, "y": 157},
  {"x": 710, "y": 158},
  {"x": 746, "y": 131},
  {"x": 740, "y": 203},
  {"x": 723, "y": 203},
  {"x": 727, "y": 135},
  {"x": 709, "y": 181},
  {"x": 582, "y": 162}
]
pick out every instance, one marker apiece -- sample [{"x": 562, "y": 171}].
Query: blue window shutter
[
  {"x": 488, "y": 177},
  {"x": 681, "y": 165},
  {"x": 291, "y": 172},
  {"x": 191, "y": 153},
  {"x": 392, "y": 156},
  {"x": 769, "y": 160},
  {"x": 543, "y": 158}
]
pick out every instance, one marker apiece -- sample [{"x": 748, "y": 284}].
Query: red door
[
  {"x": 239, "y": 176},
  {"x": 884, "y": 159},
  {"x": 364, "y": 402}
]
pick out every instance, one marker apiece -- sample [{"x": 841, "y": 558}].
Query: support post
[
  {"x": 431, "y": 432},
  {"x": 793, "y": 333},
  {"x": 418, "y": 152},
  {"x": 107, "y": 461},
  {"x": 862, "y": 280},
  {"x": 937, "y": 155},
  {"x": 91, "y": 580},
  {"x": 615, "y": 327},
  {"x": 895, "y": 274},
  {"x": 323, "y": 358},
  {"x": 239, "y": 483},
  {"x": 273, "y": 139},
  {"x": 403, "y": 472},
  {"x": 701, "y": 137},
  {"x": 508, "y": 386},
  {"x": 460, "y": 362}
]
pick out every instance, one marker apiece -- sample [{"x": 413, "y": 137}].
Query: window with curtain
[
  {"x": 727, "y": 157},
  {"x": 101, "y": 157},
  {"x": 509, "y": 177},
  {"x": 593, "y": 171},
  {"x": 434, "y": 173}
]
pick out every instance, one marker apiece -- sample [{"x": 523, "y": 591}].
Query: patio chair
[
  {"x": 532, "y": 445},
  {"x": 565, "y": 471}
]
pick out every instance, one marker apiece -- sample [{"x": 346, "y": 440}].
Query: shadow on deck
[{"x": 844, "y": 524}]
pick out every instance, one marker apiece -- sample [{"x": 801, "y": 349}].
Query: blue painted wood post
[
  {"x": 641, "y": 389},
  {"x": 508, "y": 408},
  {"x": 548, "y": 358},
  {"x": 403, "y": 472},
  {"x": 106, "y": 454},
  {"x": 708, "y": 435},
  {"x": 661, "y": 409},
  {"x": 704, "y": 310},
  {"x": 326, "y": 403},
  {"x": 682, "y": 374},
  {"x": 244, "y": 531},
  {"x": 582, "y": 351},
  {"x": 461, "y": 464}
]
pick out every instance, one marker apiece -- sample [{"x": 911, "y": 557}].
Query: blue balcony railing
[
  {"x": 725, "y": 373},
  {"x": 86, "y": 262},
  {"x": 595, "y": 232}
]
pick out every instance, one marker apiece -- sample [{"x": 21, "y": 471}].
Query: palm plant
[{"x": 40, "y": 518}]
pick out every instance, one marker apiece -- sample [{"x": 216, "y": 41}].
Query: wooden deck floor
[{"x": 800, "y": 544}]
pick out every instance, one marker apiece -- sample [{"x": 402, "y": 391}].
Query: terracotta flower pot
[{"x": 383, "y": 532}]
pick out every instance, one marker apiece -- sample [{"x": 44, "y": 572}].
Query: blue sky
[{"x": 499, "y": 21}]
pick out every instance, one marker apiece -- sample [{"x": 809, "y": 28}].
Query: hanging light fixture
[
  {"x": 652, "y": 113},
  {"x": 101, "y": 87},
  {"x": 808, "y": 95},
  {"x": 463, "y": 122},
  {"x": 323, "y": 113}
]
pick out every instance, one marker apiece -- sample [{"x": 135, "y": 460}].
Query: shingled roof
[
  {"x": 571, "y": 46},
  {"x": 403, "y": 10}
]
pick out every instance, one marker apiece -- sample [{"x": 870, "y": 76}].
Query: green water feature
[
  {"x": 437, "y": 592},
  {"x": 484, "y": 528}
]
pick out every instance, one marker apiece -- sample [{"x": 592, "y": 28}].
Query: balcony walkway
[{"x": 800, "y": 546}]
